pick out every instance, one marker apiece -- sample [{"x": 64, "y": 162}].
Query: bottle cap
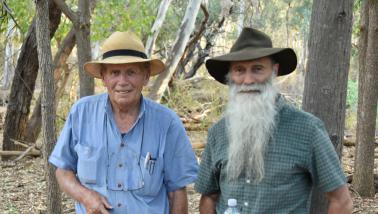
[{"x": 232, "y": 202}]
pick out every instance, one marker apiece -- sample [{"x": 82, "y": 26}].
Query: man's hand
[{"x": 93, "y": 202}]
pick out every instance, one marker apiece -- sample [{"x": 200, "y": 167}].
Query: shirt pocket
[
  {"x": 152, "y": 172},
  {"x": 281, "y": 173},
  {"x": 87, "y": 164}
]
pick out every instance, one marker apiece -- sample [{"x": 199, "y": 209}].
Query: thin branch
[
  {"x": 22, "y": 143},
  {"x": 67, "y": 11},
  {"x": 17, "y": 153},
  {"x": 24, "y": 153}
]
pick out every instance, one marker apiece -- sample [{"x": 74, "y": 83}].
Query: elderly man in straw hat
[
  {"x": 120, "y": 152},
  {"x": 265, "y": 153}
]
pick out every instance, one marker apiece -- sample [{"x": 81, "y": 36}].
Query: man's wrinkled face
[
  {"x": 125, "y": 82},
  {"x": 252, "y": 71}
]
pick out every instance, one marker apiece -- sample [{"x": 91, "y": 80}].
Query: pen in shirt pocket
[{"x": 147, "y": 160}]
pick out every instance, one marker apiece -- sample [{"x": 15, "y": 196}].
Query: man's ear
[
  {"x": 275, "y": 68},
  {"x": 147, "y": 77},
  {"x": 102, "y": 71},
  {"x": 102, "y": 78}
]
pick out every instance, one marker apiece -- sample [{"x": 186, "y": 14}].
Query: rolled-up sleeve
[
  {"x": 180, "y": 163},
  {"x": 64, "y": 155}
]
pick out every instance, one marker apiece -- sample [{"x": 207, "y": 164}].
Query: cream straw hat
[{"x": 122, "y": 48}]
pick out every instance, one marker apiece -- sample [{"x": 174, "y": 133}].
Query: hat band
[{"x": 124, "y": 52}]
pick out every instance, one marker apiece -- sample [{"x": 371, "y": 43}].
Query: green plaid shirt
[{"x": 298, "y": 157}]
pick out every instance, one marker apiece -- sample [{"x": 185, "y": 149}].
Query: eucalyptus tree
[
  {"x": 61, "y": 74},
  {"x": 81, "y": 23},
  {"x": 363, "y": 178},
  {"x": 48, "y": 110},
  {"x": 186, "y": 28},
  {"x": 327, "y": 73},
  {"x": 24, "y": 82},
  {"x": 163, "y": 8},
  {"x": 212, "y": 25},
  {"x": 8, "y": 56},
  {"x": 14, "y": 22}
]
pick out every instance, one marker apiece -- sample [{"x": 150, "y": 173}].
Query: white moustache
[{"x": 251, "y": 88}]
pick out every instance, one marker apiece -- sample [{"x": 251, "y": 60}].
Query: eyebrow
[
  {"x": 114, "y": 69},
  {"x": 133, "y": 69},
  {"x": 238, "y": 66}
]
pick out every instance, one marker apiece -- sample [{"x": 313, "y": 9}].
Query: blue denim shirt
[{"x": 134, "y": 171}]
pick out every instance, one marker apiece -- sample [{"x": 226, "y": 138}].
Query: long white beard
[{"x": 250, "y": 123}]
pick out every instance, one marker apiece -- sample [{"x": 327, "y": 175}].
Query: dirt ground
[{"x": 22, "y": 187}]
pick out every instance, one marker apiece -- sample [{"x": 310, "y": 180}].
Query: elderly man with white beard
[{"x": 265, "y": 153}]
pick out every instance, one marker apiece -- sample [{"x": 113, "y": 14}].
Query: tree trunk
[
  {"x": 287, "y": 24},
  {"x": 210, "y": 36},
  {"x": 81, "y": 23},
  {"x": 83, "y": 45},
  {"x": 363, "y": 181},
  {"x": 60, "y": 76},
  {"x": 163, "y": 8},
  {"x": 362, "y": 45},
  {"x": 226, "y": 6},
  {"x": 213, "y": 30},
  {"x": 193, "y": 45},
  {"x": 256, "y": 14},
  {"x": 326, "y": 78},
  {"x": 241, "y": 16},
  {"x": 48, "y": 110},
  {"x": 8, "y": 56},
  {"x": 24, "y": 82},
  {"x": 302, "y": 59},
  {"x": 210, "y": 32},
  {"x": 186, "y": 28}
]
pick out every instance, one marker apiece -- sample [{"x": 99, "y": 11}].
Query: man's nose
[
  {"x": 249, "y": 78},
  {"x": 123, "y": 78}
]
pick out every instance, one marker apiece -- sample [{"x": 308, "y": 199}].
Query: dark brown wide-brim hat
[
  {"x": 252, "y": 44},
  {"x": 123, "y": 48}
]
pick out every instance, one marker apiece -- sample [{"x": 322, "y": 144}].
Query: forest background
[{"x": 197, "y": 98}]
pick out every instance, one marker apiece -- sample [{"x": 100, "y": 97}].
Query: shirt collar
[{"x": 280, "y": 102}]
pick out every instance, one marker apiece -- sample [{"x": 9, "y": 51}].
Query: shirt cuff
[
  {"x": 61, "y": 164},
  {"x": 181, "y": 184}
]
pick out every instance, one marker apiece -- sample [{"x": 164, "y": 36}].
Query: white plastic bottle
[{"x": 232, "y": 207}]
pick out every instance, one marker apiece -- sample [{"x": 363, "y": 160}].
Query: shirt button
[
  {"x": 119, "y": 204},
  {"x": 248, "y": 181},
  {"x": 246, "y": 204},
  {"x": 119, "y": 185},
  {"x": 122, "y": 144},
  {"x": 120, "y": 165}
]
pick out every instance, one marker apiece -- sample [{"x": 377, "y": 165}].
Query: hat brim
[
  {"x": 218, "y": 67},
  {"x": 93, "y": 68}
]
